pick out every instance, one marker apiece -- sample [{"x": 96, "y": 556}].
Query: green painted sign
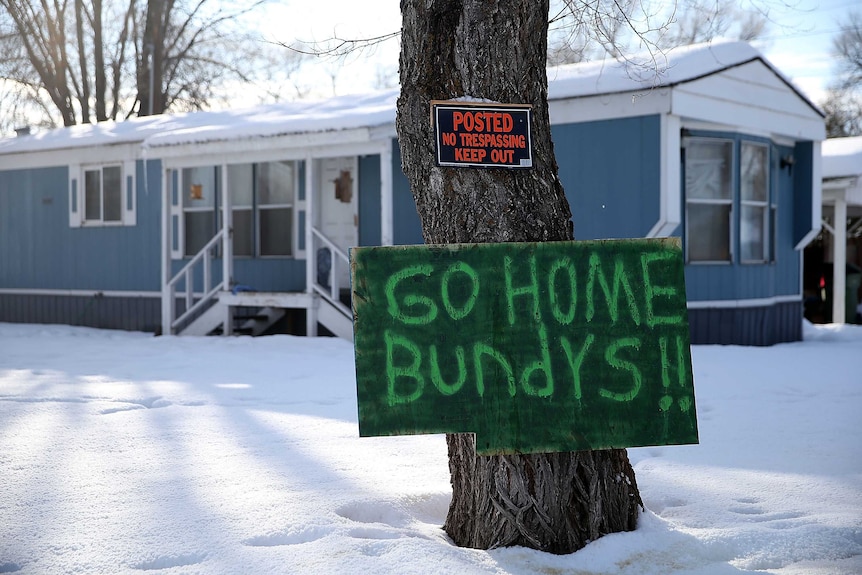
[{"x": 534, "y": 347}]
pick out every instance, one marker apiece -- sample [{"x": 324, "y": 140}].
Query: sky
[
  {"x": 122, "y": 453},
  {"x": 798, "y": 40}
]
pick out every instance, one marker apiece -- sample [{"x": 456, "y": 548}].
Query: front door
[{"x": 337, "y": 209}]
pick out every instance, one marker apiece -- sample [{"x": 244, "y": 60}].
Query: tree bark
[
  {"x": 496, "y": 51},
  {"x": 84, "y": 96},
  {"x": 101, "y": 82},
  {"x": 150, "y": 94}
]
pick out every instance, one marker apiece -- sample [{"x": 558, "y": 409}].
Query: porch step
[
  {"x": 261, "y": 321},
  {"x": 268, "y": 308},
  {"x": 335, "y": 320},
  {"x": 208, "y": 321}
]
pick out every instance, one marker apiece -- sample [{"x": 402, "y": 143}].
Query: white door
[{"x": 337, "y": 206}]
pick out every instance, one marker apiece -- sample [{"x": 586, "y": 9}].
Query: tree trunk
[
  {"x": 151, "y": 69},
  {"x": 496, "y": 51},
  {"x": 84, "y": 96},
  {"x": 99, "y": 56}
]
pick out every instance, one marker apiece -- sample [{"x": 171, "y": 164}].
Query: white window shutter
[
  {"x": 175, "y": 207},
  {"x": 76, "y": 207},
  {"x": 129, "y": 191}
]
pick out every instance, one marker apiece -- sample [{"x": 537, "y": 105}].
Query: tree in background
[
  {"x": 582, "y": 31},
  {"x": 496, "y": 50},
  {"x": 82, "y": 61},
  {"x": 843, "y": 103}
]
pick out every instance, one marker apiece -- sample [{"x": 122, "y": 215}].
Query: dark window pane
[
  {"x": 113, "y": 195},
  {"x": 708, "y": 237},
  {"x": 243, "y": 235},
  {"x": 200, "y": 229},
  {"x": 92, "y": 195},
  {"x": 275, "y": 232}
]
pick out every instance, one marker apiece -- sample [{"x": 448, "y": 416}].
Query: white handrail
[
  {"x": 209, "y": 291},
  {"x": 339, "y": 258}
]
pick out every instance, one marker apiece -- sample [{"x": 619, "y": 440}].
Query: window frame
[
  {"x": 179, "y": 208},
  {"x": 237, "y": 207},
  {"x": 711, "y": 201},
  {"x": 739, "y": 205},
  {"x": 260, "y": 207},
  {"x": 766, "y": 205},
  {"x": 214, "y": 210},
  {"x": 125, "y": 201}
]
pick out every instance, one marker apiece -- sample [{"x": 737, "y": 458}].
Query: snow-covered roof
[
  {"x": 341, "y": 113},
  {"x": 347, "y": 112},
  {"x": 842, "y": 157},
  {"x": 677, "y": 66}
]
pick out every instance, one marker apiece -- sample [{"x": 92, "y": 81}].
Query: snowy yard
[{"x": 127, "y": 453}]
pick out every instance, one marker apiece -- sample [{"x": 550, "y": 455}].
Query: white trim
[
  {"x": 670, "y": 185},
  {"x": 744, "y": 303},
  {"x": 839, "y": 184},
  {"x": 610, "y": 106},
  {"x": 111, "y": 153},
  {"x": 839, "y": 259},
  {"x": 745, "y": 116},
  {"x": 311, "y": 179},
  {"x": 387, "y": 225},
  {"x": 166, "y": 252},
  {"x": 816, "y": 196},
  {"x": 80, "y": 293},
  {"x": 289, "y": 147},
  {"x": 227, "y": 230},
  {"x": 176, "y": 243}
]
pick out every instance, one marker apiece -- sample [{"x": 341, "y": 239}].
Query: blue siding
[
  {"x": 407, "y": 229},
  {"x": 788, "y": 260},
  {"x": 277, "y": 274},
  {"x": 610, "y": 170},
  {"x": 259, "y": 274},
  {"x": 369, "y": 200},
  {"x": 39, "y": 250},
  {"x": 803, "y": 174}
]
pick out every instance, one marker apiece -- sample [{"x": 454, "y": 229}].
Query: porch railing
[
  {"x": 203, "y": 258},
  {"x": 332, "y": 264}
]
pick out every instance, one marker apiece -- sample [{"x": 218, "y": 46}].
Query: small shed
[{"x": 241, "y": 220}]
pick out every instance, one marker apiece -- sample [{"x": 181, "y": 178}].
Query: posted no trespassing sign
[{"x": 482, "y": 135}]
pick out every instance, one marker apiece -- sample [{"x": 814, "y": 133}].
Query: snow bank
[{"x": 126, "y": 453}]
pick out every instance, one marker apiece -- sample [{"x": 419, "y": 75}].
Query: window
[
  {"x": 275, "y": 194},
  {"x": 709, "y": 199},
  {"x": 199, "y": 207},
  {"x": 241, "y": 186},
  {"x": 103, "y": 194},
  {"x": 754, "y": 202},
  {"x": 262, "y": 208},
  {"x": 715, "y": 190}
]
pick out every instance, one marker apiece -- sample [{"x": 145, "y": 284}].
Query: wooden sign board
[
  {"x": 482, "y": 135},
  {"x": 534, "y": 347}
]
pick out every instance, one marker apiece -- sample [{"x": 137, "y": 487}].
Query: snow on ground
[{"x": 124, "y": 453}]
